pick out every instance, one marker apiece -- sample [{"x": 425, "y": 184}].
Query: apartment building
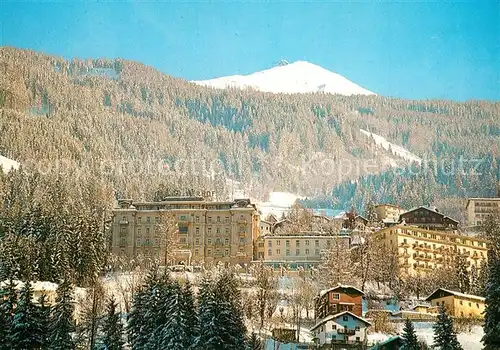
[
  {"x": 458, "y": 304},
  {"x": 207, "y": 231},
  {"x": 305, "y": 249},
  {"x": 479, "y": 209},
  {"x": 388, "y": 213},
  {"x": 421, "y": 250}
]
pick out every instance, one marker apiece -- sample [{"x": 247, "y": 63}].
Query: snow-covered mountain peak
[{"x": 296, "y": 77}]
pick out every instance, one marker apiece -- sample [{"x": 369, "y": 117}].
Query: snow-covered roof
[
  {"x": 340, "y": 286},
  {"x": 434, "y": 210},
  {"x": 336, "y": 316},
  {"x": 37, "y": 286},
  {"x": 457, "y": 294}
]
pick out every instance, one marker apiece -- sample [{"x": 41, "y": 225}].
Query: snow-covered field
[
  {"x": 469, "y": 341},
  {"x": 297, "y": 77},
  {"x": 8, "y": 164},
  {"x": 277, "y": 203},
  {"x": 396, "y": 149}
]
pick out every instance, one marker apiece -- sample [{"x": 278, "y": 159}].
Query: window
[
  {"x": 209, "y": 219},
  {"x": 287, "y": 243},
  {"x": 218, "y": 230},
  {"x": 269, "y": 252},
  {"x": 196, "y": 252},
  {"x": 209, "y": 252},
  {"x": 182, "y": 240},
  {"x": 197, "y": 241},
  {"x": 157, "y": 242},
  {"x": 278, "y": 242},
  {"x": 183, "y": 218},
  {"x": 288, "y": 252},
  {"x": 226, "y": 241},
  {"x": 297, "y": 243},
  {"x": 226, "y": 252},
  {"x": 139, "y": 232},
  {"x": 218, "y": 218},
  {"x": 196, "y": 219},
  {"x": 477, "y": 305},
  {"x": 270, "y": 243},
  {"x": 197, "y": 231},
  {"x": 297, "y": 252},
  {"x": 470, "y": 304},
  {"x": 209, "y": 241},
  {"x": 356, "y": 328},
  {"x": 227, "y": 219},
  {"x": 227, "y": 231},
  {"x": 345, "y": 318},
  {"x": 358, "y": 339},
  {"x": 209, "y": 231},
  {"x": 147, "y": 231},
  {"x": 278, "y": 251},
  {"x": 157, "y": 219},
  {"x": 307, "y": 251},
  {"x": 316, "y": 252},
  {"x": 316, "y": 243},
  {"x": 461, "y": 302},
  {"x": 307, "y": 242},
  {"x": 334, "y": 327},
  {"x": 139, "y": 220},
  {"x": 148, "y": 220},
  {"x": 336, "y": 296}
]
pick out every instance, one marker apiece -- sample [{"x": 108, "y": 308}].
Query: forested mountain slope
[{"x": 136, "y": 128}]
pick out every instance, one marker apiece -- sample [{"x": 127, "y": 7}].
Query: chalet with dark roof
[{"x": 428, "y": 218}]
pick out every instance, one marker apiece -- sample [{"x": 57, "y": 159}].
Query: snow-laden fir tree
[
  {"x": 445, "y": 337},
  {"x": 62, "y": 324},
  {"x": 175, "y": 330},
  {"x": 25, "y": 332},
  {"x": 112, "y": 327},
  {"x": 8, "y": 300},
  {"x": 138, "y": 329},
  {"x": 214, "y": 320},
  {"x": 409, "y": 336},
  {"x": 255, "y": 343},
  {"x": 44, "y": 318},
  {"x": 189, "y": 311},
  {"x": 161, "y": 292},
  {"x": 491, "y": 338}
]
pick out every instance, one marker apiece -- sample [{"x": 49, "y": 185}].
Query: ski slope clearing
[{"x": 395, "y": 149}]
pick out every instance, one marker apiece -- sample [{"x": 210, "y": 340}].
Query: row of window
[
  {"x": 297, "y": 243},
  {"x": 157, "y": 219},
  {"x": 297, "y": 252},
  {"x": 465, "y": 241}
]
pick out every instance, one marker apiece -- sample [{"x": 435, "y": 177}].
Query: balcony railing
[
  {"x": 123, "y": 222},
  {"x": 242, "y": 222},
  {"x": 346, "y": 331}
]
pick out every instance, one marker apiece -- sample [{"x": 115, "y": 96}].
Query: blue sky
[{"x": 411, "y": 50}]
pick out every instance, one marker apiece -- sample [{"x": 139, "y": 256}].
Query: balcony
[
  {"x": 242, "y": 234},
  {"x": 346, "y": 331},
  {"x": 241, "y": 254},
  {"x": 405, "y": 245},
  {"x": 123, "y": 222},
  {"x": 242, "y": 222}
]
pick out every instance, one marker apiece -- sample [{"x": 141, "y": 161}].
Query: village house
[
  {"x": 342, "y": 328},
  {"x": 458, "y": 304},
  {"x": 338, "y": 299}
]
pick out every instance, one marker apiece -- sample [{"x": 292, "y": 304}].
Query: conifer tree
[
  {"x": 25, "y": 330},
  {"x": 189, "y": 311},
  {"x": 409, "y": 336},
  {"x": 136, "y": 325},
  {"x": 445, "y": 337},
  {"x": 491, "y": 338},
  {"x": 8, "y": 300},
  {"x": 112, "y": 327},
  {"x": 254, "y": 343},
  {"x": 44, "y": 319},
  {"x": 62, "y": 324}
]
